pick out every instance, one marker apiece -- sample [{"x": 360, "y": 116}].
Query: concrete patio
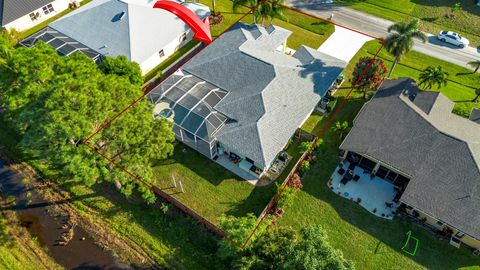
[
  {"x": 234, "y": 168},
  {"x": 374, "y": 192}
]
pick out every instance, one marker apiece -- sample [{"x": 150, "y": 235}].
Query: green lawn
[
  {"x": 432, "y": 13},
  {"x": 210, "y": 189},
  {"x": 370, "y": 242}
]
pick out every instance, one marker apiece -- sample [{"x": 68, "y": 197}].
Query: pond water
[{"x": 80, "y": 252}]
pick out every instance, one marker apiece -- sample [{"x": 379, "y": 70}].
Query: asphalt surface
[{"x": 377, "y": 27}]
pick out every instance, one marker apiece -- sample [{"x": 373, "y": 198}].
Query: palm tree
[
  {"x": 477, "y": 93},
  {"x": 341, "y": 127},
  {"x": 246, "y": 3},
  {"x": 433, "y": 75},
  {"x": 475, "y": 64},
  {"x": 266, "y": 10},
  {"x": 401, "y": 42},
  {"x": 213, "y": 6}
]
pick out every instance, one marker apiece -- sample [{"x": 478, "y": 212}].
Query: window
[
  {"x": 459, "y": 235},
  {"x": 382, "y": 172},
  {"x": 367, "y": 164},
  {"x": 161, "y": 53},
  {"x": 249, "y": 160},
  {"x": 33, "y": 16},
  {"x": 183, "y": 37},
  {"x": 439, "y": 223},
  {"x": 48, "y": 9},
  {"x": 391, "y": 176}
]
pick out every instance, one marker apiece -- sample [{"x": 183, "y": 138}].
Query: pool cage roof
[
  {"x": 192, "y": 102},
  {"x": 63, "y": 44}
]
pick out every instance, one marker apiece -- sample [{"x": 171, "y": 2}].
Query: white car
[{"x": 453, "y": 38}]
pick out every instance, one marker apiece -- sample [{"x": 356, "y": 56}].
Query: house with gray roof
[
  {"x": 242, "y": 98},
  {"x": 132, "y": 28},
  {"x": 411, "y": 138},
  {"x": 22, "y": 15}
]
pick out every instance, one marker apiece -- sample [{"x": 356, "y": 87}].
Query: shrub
[
  {"x": 295, "y": 182},
  {"x": 304, "y": 146},
  {"x": 461, "y": 111},
  {"x": 286, "y": 199},
  {"x": 305, "y": 166},
  {"x": 318, "y": 143}
]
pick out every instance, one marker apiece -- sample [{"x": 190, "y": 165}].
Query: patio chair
[
  {"x": 344, "y": 180},
  {"x": 341, "y": 171},
  {"x": 356, "y": 177},
  {"x": 351, "y": 166}
]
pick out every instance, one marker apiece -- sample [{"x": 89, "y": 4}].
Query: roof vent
[{"x": 119, "y": 16}]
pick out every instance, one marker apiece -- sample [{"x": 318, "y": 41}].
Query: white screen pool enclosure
[
  {"x": 63, "y": 44},
  {"x": 191, "y": 102}
]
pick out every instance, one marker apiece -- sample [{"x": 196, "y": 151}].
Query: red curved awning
[{"x": 201, "y": 28}]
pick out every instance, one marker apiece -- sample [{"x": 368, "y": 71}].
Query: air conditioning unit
[{"x": 455, "y": 242}]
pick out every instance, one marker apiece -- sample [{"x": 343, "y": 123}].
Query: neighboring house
[
  {"x": 135, "y": 29},
  {"x": 24, "y": 14},
  {"x": 411, "y": 138},
  {"x": 242, "y": 98}
]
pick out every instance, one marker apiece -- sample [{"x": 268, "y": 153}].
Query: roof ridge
[{"x": 444, "y": 129}]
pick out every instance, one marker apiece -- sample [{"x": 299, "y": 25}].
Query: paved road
[{"x": 377, "y": 27}]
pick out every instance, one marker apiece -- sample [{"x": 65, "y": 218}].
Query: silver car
[{"x": 453, "y": 38}]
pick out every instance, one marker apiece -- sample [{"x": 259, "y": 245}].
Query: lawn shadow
[
  {"x": 464, "y": 73},
  {"x": 255, "y": 203}
]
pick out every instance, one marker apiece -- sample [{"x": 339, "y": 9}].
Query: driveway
[
  {"x": 378, "y": 27},
  {"x": 344, "y": 44}
]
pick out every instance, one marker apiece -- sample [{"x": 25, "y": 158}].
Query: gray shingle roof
[
  {"x": 140, "y": 33},
  {"x": 475, "y": 115},
  {"x": 10, "y": 10},
  {"x": 269, "y": 93},
  {"x": 437, "y": 149}
]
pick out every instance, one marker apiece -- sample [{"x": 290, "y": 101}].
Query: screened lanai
[
  {"x": 64, "y": 45},
  {"x": 189, "y": 102}
]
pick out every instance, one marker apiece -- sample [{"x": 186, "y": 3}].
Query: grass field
[
  {"x": 210, "y": 189},
  {"x": 431, "y": 12},
  {"x": 370, "y": 242}
]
